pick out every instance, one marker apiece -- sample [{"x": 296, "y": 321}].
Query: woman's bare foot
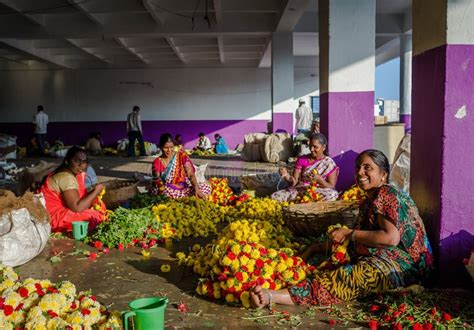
[{"x": 259, "y": 297}]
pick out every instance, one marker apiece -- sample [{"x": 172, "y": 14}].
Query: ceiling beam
[
  {"x": 27, "y": 46},
  {"x": 220, "y": 45},
  {"x": 122, "y": 43},
  {"x": 158, "y": 18},
  {"x": 175, "y": 49}
]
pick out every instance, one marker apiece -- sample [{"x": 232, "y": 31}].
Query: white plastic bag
[
  {"x": 122, "y": 144},
  {"x": 7, "y": 146},
  {"x": 22, "y": 237},
  {"x": 200, "y": 171},
  {"x": 400, "y": 173}
]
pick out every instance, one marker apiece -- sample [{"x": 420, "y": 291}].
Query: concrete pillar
[
  {"x": 442, "y": 157},
  {"x": 283, "y": 105},
  {"x": 405, "y": 80},
  {"x": 347, "y": 79}
]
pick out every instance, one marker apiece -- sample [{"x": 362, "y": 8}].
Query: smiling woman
[
  {"x": 65, "y": 194},
  {"x": 389, "y": 246}
]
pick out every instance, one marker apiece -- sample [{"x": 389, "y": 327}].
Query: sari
[
  {"x": 172, "y": 180},
  {"x": 221, "y": 146},
  {"x": 375, "y": 269},
  {"x": 61, "y": 216},
  {"x": 324, "y": 167}
]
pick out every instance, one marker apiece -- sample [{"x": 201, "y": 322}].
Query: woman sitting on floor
[
  {"x": 221, "y": 145},
  {"x": 390, "y": 246},
  {"x": 65, "y": 194},
  {"x": 173, "y": 173},
  {"x": 317, "y": 167}
]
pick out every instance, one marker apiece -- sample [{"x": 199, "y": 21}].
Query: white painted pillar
[
  {"x": 283, "y": 105},
  {"x": 405, "y": 80},
  {"x": 347, "y": 80}
]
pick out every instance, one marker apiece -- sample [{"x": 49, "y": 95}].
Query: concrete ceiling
[{"x": 77, "y": 34}]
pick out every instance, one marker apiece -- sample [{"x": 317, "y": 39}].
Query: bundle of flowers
[
  {"x": 354, "y": 193},
  {"x": 190, "y": 216},
  {"x": 246, "y": 253},
  {"x": 308, "y": 195},
  {"x": 339, "y": 254},
  {"x": 132, "y": 227},
  {"x": 35, "y": 304},
  {"x": 99, "y": 205},
  {"x": 221, "y": 192}
]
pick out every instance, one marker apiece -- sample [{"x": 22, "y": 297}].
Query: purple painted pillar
[
  {"x": 347, "y": 71},
  {"x": 442, "y": 176},
  {"x": 406, "y": 119}
]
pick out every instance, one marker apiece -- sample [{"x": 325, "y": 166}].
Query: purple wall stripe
[
  {"x": 233, "y": 131},
  {"x": 282, "y": 122},
  {"x": 347, "y": 120},
  {"x": 406, "y": 119},
  {"x": 443, "y": 154}
]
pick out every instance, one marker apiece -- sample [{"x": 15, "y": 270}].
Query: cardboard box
[{"x": 380, "y": 120}]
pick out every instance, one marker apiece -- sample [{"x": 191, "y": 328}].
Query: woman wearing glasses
[{"x": 65, "y": 194}]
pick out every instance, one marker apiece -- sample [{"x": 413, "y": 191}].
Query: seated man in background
[
  {"x": 204, "y": 143},
  {"x": 94, "y": 144}
]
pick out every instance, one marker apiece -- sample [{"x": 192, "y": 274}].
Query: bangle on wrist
[{"x": 353, "y": 235}]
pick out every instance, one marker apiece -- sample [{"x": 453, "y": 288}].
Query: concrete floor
[{"x": 118, "y": 277}]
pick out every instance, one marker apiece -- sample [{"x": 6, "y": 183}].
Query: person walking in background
[
  {"x": 41, "y": 121},
  {"x": 135, "y": 131},
  {"x": 304, "y": 117}
]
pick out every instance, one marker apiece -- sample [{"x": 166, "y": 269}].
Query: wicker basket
[
  {"x": 313, "y": 219},
  {"x": 118, "y": 191}
]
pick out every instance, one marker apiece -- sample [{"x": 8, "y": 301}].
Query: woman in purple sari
[{"x": 316, "y": 167}]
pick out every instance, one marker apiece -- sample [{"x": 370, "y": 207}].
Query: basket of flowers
[
  {"x": 118, "y": 191},
  {"x": 313, "y": 219}
]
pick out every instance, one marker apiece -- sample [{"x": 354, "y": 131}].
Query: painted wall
[{"x": 232, "y": 102}]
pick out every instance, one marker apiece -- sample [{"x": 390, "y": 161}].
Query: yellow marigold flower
[
  {"x": 235, "y": 249},
  {"x": 199, "y": 289},
  {"x": 226, "y": 261},
  {"x": 266, "y": 285},
  {"x": 229, "y": 298},
  {"x": 145, "y": 253},
  {"x": 230, "y": 282},
  {"x": 272, "y": 253},
  {"x": 244, "y": 260},
  {"x": 247, "y": 248},
  {"x": 287, "y": 275},
  {"x": 245, "y": 299},
  {"x": 165, "y": 268},
  {"x": 289, "y": 262},
  {"x": 255, "y": 254},
  {"x": 245, "y": 277},
  {"x": 196, "y": 247},
  {"x": 224, "y": 285},
  {"x": 281, "y": 267}
]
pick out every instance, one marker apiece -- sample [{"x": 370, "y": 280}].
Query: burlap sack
[
  {"x": 277, "y": 147},
  {"x": 400, "y": 173}
]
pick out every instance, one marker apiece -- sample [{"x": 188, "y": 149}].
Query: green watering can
[{"x": 147, "y": 313}]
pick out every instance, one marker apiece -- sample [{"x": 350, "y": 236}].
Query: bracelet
[{"x": 353, "y": 235}]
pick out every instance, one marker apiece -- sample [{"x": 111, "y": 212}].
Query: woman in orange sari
[
  {"x": 173, "y": 173},
  {"x": 65, "y": 194}
]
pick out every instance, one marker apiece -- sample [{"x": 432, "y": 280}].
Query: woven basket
[
  {"x": 117, "y": 191},
  {"x": 313, "y": 219}
]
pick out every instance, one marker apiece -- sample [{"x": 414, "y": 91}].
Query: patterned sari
[
  {"x": 375, "y": 269},
  {"x": 172, "y": 180},
  {"x": 324, "y": 167}
]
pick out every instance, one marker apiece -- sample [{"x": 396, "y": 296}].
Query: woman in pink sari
[
  {"x": 173, "y": 173},
  {"x": 317, "y": 167}
]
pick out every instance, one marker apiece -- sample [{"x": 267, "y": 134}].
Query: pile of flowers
[
  {"x": 246, "y": 253},
  {"x": 264, "y": 209},
  {"x": 35, "y": 304},
  {"x": 127, "y": 227},
  {"x": 190, "y": 216},
  {"x": 417, "y": 309},
  {"x": 221, "y": 192},
  {"x": 308, "y": 195},
  {"x": 354, "y": 193}
]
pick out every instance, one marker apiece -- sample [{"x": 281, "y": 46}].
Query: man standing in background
[
  {"x": 304, "y": 117},
  {"x": 41, "y": 121},
  {"x": 134, "y": 129}
]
